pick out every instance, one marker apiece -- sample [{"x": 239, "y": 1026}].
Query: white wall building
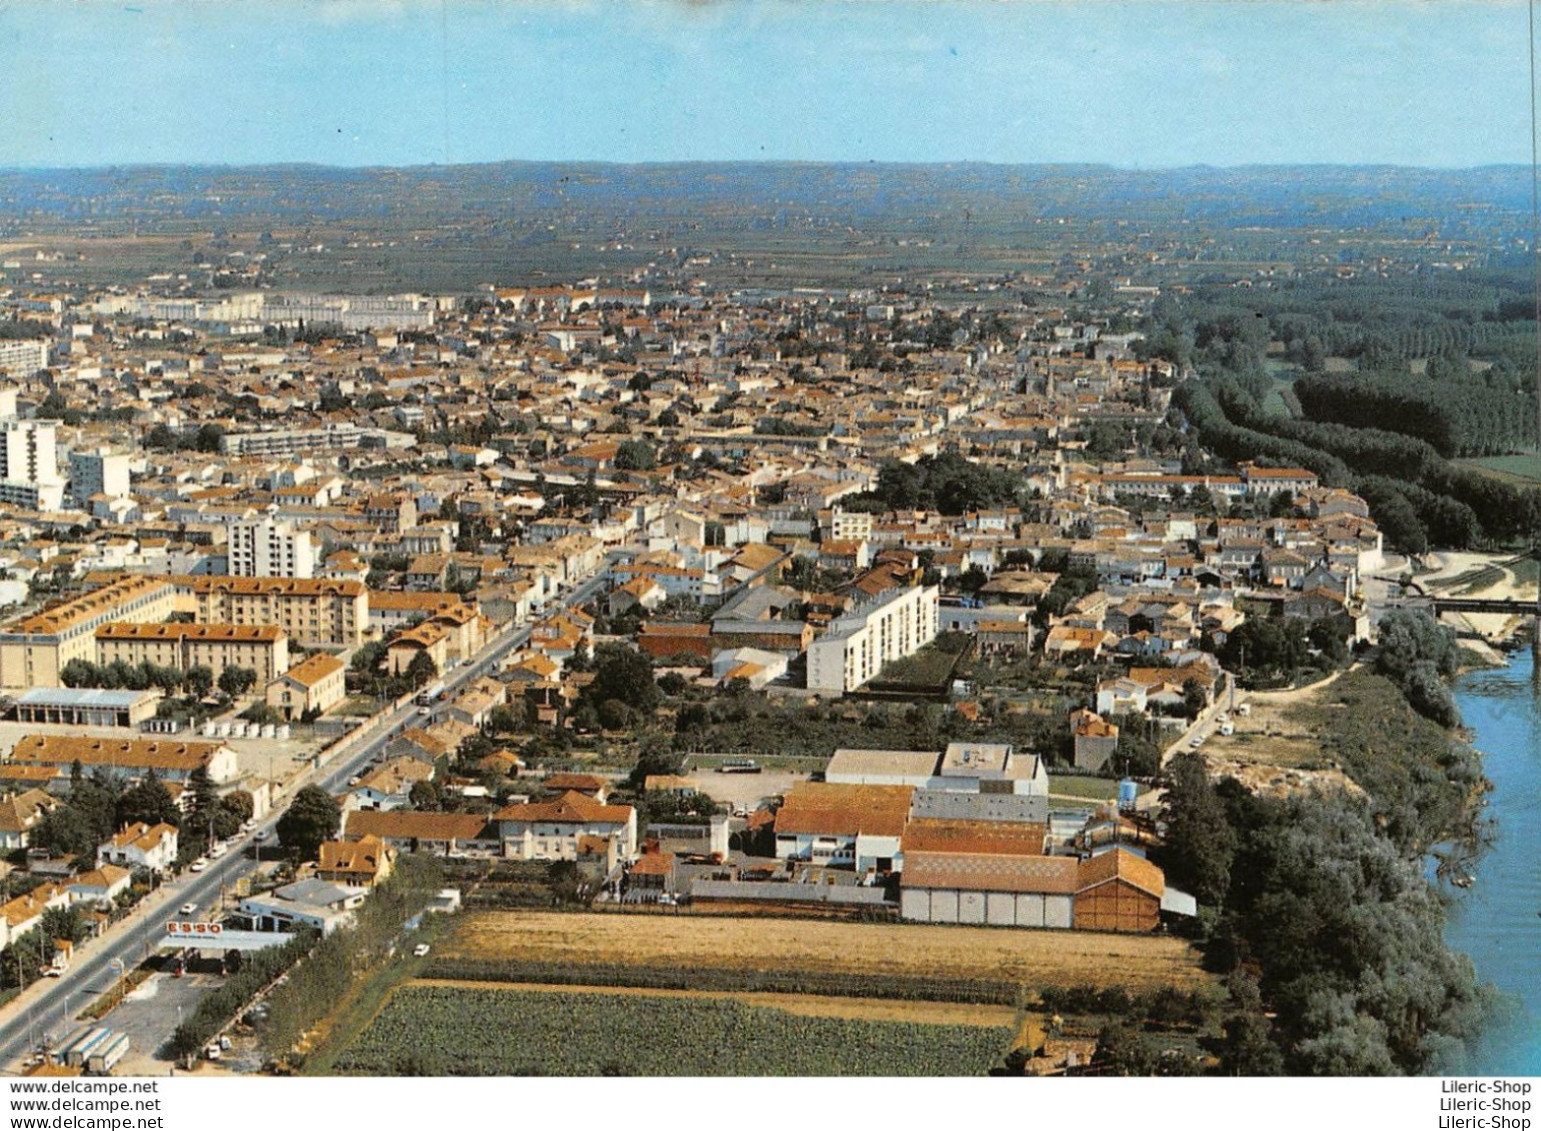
[
  {"x": 23, "y": 358},
  {"x": 98, "y": 473},
  {"x": 269, "y": 547},
  {"x": 858, "y": 644},
  {"x": 29, "y": 466}
]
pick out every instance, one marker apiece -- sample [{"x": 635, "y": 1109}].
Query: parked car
[
  {"x": 188, "y": 909},
  {"x": 420, "y": 950},
  {"x": 198, "y": 865},
  {"x": 263, "y": 835}
]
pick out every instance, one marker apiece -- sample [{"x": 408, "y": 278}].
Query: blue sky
[{"x": 1145, "y": 84}]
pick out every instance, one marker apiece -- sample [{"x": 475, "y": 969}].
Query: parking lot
[
  {"x": 746, "y": 790},
  {"x": 150, "y": 1014}
]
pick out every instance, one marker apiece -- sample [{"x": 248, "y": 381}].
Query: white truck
[{"x": 104, "y": 1058}]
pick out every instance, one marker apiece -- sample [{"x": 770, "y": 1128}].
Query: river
[{"x": 1498, "y": 921}]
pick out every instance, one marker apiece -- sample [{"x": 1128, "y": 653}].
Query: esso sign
[{"x": 193, "y": 930}]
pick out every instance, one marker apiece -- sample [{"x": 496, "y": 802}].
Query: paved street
[{"x": 48, "y": 1006}]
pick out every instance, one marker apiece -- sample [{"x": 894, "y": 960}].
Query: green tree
[
  {"x": 148, "y": 801},
  {"x": 424, "y": 796},
  {"x": 234, "y": 681},
  {"x": 506, "y": 719},
  {"x": 1195, "y": 699},
  {"x": 205, "y": 800},
  {"x": 621, "y": 672},
  {"x": 635, "y": 455},
  {"x": 565, "y": 881},
  {"x": 1200, "y": 843},
  {"x": 422, "y": 670},
  {"x": 80, "y": 673},
  {"x": 223, "y": 823},
  {"x": 312, "y": 817},
  {"x": 614, "y": 715},
  {"x": 53, "y": 406},
  {"x": 239, "y": 802},
  {"x": 367, "y": 657},
  {"x": 200, "y": 681},
  {"x": 1249, "y": 1049},
  {"x": 67, "y": 831}
]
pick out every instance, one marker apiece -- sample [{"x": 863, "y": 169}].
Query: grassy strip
[
  {"x": 364, "y": 1003},
  {"x": 1078, "y": 785},
  {"x": 110, "y": 1000},
  {"x": 815, "y": 983}
]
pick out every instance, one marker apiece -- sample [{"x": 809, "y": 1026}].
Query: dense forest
[
  {"x": 1382, "y": 430},
  {"x": 1316, "y": 906}
]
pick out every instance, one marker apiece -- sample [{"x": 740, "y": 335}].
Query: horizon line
[{"x": 758, "y": 161}]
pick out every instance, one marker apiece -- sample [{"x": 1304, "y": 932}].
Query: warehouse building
[
  {"x": 86, "y": 706},
  {"x": 1115, "y": 890}
]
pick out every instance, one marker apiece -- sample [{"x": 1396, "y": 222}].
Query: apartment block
[
  {"x": 29, "y": 466},
  {"x": 98, "y": 473},
  {"x": 23, "y": 357},
  {"x": 290, "y": 441},
  {"x": 270, "y": 547},
  {"x": 858, "y": 644},
  {"x": 311, "y": 611}
]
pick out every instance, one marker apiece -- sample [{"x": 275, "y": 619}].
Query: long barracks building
[
  {"x": 35, "y": 649},
  {"x": 314, "y": 612}
]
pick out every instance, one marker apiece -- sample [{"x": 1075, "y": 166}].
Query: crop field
[
  {"x": 907, "y": 951},
  {"x": 439, "y": 1030}
]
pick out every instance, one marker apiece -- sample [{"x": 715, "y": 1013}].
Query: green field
[
  {"x": 440, "y": 1030},
  {"x": 1282, "y": 376},
  {"x": 1077, "y": 785},
  {"x": 1520, "y": 470}
]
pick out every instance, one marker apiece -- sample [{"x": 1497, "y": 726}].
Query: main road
[{"x": 48, "y": 1006}]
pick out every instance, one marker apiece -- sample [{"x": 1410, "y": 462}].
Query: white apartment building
[
  {"x": 270, "y": 547},
  {"x": 849, "y": 526},
  {"x": 858, "y": 644},
  {"x": 277, "y": 442},
  {"x": 24, "y": 358},
  {"x": 29, "y": 467},
  {"x": 98, "y": 473}
]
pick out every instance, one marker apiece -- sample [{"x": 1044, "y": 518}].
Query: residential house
[
  {"x": 856, "y": 826},
  {"x": 555, "y": 830},
  {"x": 141, "y": 846},
  {"x": 20, "y": 813},
  {"x": 364, "y": 862},
  {"x": 310, "y": 688}
]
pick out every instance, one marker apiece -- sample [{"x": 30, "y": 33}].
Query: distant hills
[{"x": 1336, "y": 196}]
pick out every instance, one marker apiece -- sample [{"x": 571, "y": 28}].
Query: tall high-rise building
[
  {"x": 270, "y": 547},
  {"x": 98, "y": 473},
  {"x": 29, "y": 466}
]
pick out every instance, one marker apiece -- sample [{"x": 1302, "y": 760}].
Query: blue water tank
[{"x": 1127, "y": 792}]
